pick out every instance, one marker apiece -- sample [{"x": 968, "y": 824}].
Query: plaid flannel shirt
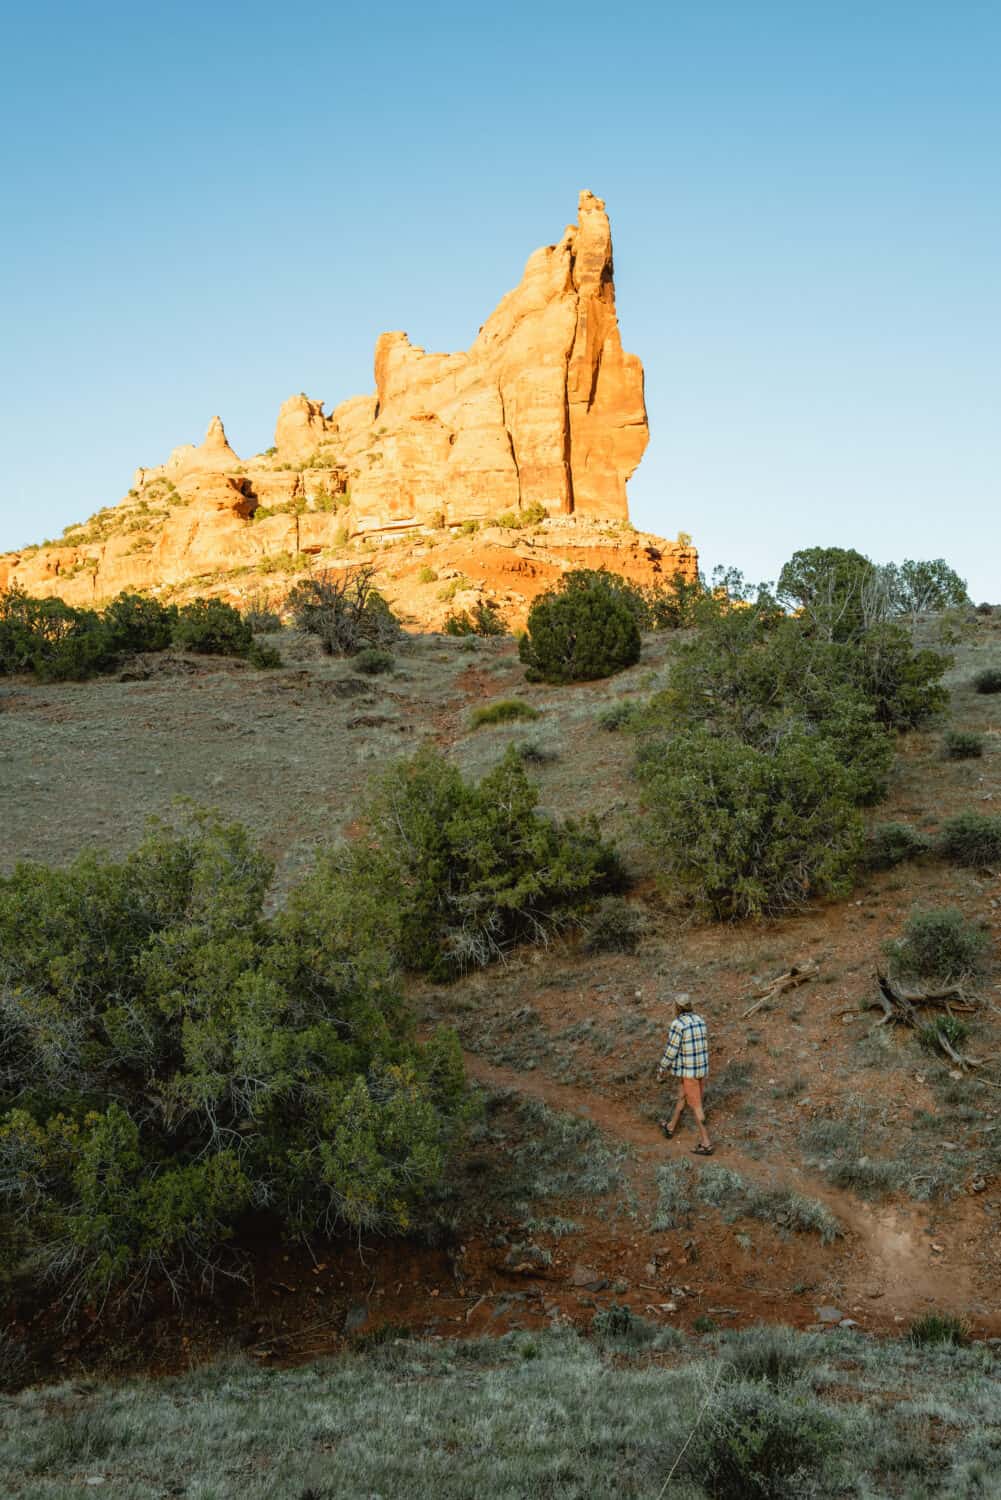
[{"x": 686, "y": 1053}]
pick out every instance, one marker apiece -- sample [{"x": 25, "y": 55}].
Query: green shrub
[
  {"x": 962, "y": 744},
  {"x": 988, "y": 681},
  {"x": 613, "y": 927},
  {"x": 462, "y": 871},
  {"x": 50, "y": 639},
  {"x": 764, "y": 1443},
  {"x": 172, "y": 1058},
  {"x": 344, "y": 610},
  {"x": 619, "y": 1328},
  {"x": 264, "y": 657},
  {"x": 503, "y": 711},
  {"x": 889, "y": 844},
  {"x": 833, "y": 587},
  {"x": 938, "y": 1328},
  {"x": 939, "y": 946},
  {"x": 903, "y": 685},
  {"x": 951, "y": 1028},
  {"x": 535, "y": 752},
  {"x": 673, "y": 605},
  {"x": 427, "y": 575},
  {"x": 740, "y": 832},
  {"x": 582, "y": 629},
  {"x": 373, "y": 662},
  {"x": 753, "y": 675},
  {"x": 484, "y": 620},
  {"x": 971, "y": 839},
  {"x": 212, "y": 627},
  {"x": 136, "y": 623},
  {"x": 617, "y": 716}
]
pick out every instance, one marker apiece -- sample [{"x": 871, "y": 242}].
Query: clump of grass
[
  {"x": 613, "y": 927},
  {"x": 771, "y": 1353},
  {"x": 617, "y": 716},
  {"x": 889, "y": 844},
  {"x": 988, "y": 681},
  {"x": 723, "y": 1188},
  {"x": 536, "y": 752},
  {"x": 940, "y": 946},
  {"x": 939, "y": 1328},
  {"x": 962, "y": 744},
  {"x": 427, "y": 574},
  {"x": 972, "y": 840},
  {"x": 504, "y": 711},
  {"x": 674, "y": 1199}
]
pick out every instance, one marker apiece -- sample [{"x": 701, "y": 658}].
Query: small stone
[
  {"x": 95, "y": 1479},
  {"x": 582, "y": 1275},
  {"x": 828, "y": 1315},
  {"x": 848, "y": 1323},
  {"x": 978, "y": 1185}
]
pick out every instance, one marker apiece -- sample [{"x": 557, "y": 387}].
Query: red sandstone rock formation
[{"x": 545, "y": 410}]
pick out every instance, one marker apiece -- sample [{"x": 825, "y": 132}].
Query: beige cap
[{"x": 682, "y": 1002}]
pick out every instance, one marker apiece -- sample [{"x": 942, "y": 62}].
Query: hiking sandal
[
  {"x": 666, "y": 1129},
  {"x": 701, "y": 1150}
]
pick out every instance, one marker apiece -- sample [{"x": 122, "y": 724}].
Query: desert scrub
[
  {"x": 939, "y": 1328},
  {"x": 373, "y": 662},
  {"x": 174, "y": 1058},
  {"x": 484, "y": 620},
  {"x": 521, "y": 1155},
  {"x": 426, "y": 574},
  {"x": 402, "y": 1417},
  {"x": 678, "y": 1185},
  {"x": 988, "y": 681},
  {"x": 213, "y": 628},
  {"x": 890, "y": 844},
  {"x": 962, "y": 744},
  {"x": 463, "y": 870},
  {"x": 941, "y": 946},
  {"x": 503, "y": 711},
  {"x": 745, "y": 832},
  {"x": 971, "y": 839},
  {"x": 344, "y": 610},
  {"x": 583, "y": 629},
  {"x": 617, "y": 716},
  {"x": 612, "y": 927},
  {"x": 776, "y": 1355}
]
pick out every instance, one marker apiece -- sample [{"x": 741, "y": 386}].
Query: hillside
[{"x": 854, "y": 1171}]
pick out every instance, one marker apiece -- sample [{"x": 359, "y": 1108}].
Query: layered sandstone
[{"x": 542, "y": 417}]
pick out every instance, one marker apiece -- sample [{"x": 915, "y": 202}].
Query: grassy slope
[
  {"x": 528, "y": 1416},
  {"x": 848, "y": 1116}
]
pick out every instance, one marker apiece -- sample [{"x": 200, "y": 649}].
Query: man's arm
[{"x": 671, "y": 1050}]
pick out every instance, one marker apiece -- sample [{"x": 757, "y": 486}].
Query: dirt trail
[{"x": 887, "y": 1249}]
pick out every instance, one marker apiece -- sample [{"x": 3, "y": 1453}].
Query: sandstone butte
[{"x": 540, "y": 422}]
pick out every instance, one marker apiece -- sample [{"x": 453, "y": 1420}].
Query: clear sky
[{"x": 208, "y": 206}]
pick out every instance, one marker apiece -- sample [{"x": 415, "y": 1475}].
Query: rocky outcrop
[
  {"x": 545, "y": 409},
  {"x": 543, "y": 416}
]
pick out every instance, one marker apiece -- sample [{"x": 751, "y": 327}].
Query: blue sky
[{"x": 210, "y": 206}]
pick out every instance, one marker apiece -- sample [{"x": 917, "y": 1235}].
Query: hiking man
[{"x": 686, "y": 1057}]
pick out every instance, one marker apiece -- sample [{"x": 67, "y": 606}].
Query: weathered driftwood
[
  {"x": 902, "y": 1006},
  {"x": 794, "y": 976}
]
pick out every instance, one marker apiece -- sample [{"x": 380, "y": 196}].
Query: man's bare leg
[
  {"x": 679, "y": 1108},
  {"x": 693, "y": 1090}
]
